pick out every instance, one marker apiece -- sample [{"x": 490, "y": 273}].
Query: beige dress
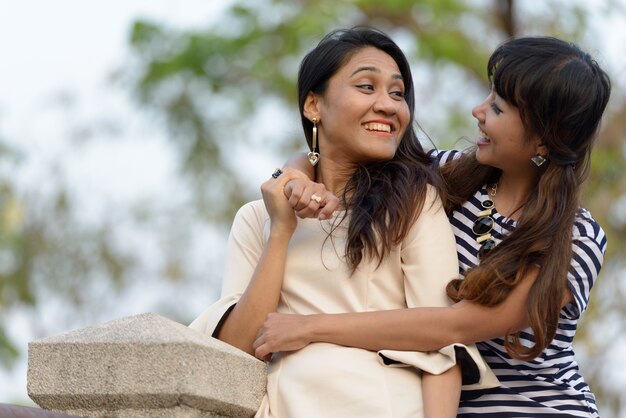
[{"x": 328, "y": 380}]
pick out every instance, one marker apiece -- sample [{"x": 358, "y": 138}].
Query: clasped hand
[
  {"x": 293, "y": 193},
  {"x": 281, "y": 332},
  {"x": 310, "y": 199}
]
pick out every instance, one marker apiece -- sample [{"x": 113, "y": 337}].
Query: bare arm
[
  {"x": 413, "y": 329},
  {"x": 426, "y": 329},
  {"x": 262, "y": 294},
  {"x": 301, "y": 163},
  {"x": 442, "y": 393}
]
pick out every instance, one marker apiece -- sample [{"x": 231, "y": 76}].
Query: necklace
[
  {"x": 492, "y": 192},
  {"x": 494, "y": 189},
  {"x": 483, "y": 225}
]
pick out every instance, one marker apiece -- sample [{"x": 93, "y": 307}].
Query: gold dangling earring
[{"x": 313, "y": 155}]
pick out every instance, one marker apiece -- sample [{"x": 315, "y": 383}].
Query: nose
[
  {"x": 385, "y": 104},
  {"x": 479, "y": 111}
]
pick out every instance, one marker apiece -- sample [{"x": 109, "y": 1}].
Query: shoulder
[
  {"x": 252, "y": 214},
  {"x": 588, "y": 236},
  {"x": 432, "y": 221},
  {"x": 441, "y": 157},
  {"x": 432, "y": 204},
  {"x": 432, "y": 200},
  {"x": 256, "y": 207}
]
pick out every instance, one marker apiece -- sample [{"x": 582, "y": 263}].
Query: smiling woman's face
[
  {"x": 503, "y": 140},
  {"x": 363, "y": 114}
]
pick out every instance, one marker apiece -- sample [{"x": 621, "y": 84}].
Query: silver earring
[
  {"x": 313, "y": 155},
  {"x": 538, "y": 160}
]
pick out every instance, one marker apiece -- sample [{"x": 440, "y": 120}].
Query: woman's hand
[
  {"x": 282, "y": 214},
  {"x": 281, "y": 332},
  {"x": 310, "y": 199}
]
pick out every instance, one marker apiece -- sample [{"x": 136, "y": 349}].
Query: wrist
[
  {"x": 314, "y": 328},
  {"x": 281, "y": 233}
]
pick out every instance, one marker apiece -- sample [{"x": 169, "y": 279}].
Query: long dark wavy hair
[
  {"x": 561, "y": 94},
  {"x": 384, "y": 199}
]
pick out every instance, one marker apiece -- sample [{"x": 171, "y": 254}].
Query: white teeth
[
  {"x": 482, "y": 134},
  {"x": 383, "y": 127}
]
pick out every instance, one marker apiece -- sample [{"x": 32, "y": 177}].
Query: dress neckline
[{"x": 497, "y": 216}]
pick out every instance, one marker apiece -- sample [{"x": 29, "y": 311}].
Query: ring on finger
[
  {"x": 277, "y": 173},
  {"x": 317, "y": 198}
]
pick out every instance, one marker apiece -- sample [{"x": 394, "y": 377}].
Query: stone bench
[{"x": 143, "y": 366}]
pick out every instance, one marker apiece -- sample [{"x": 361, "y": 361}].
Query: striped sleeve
[
  {"x": 442, "y": 157},
  {"x": 589, "y": 246}
]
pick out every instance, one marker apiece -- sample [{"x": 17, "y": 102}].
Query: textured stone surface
[{"x": 143, "y": 365}]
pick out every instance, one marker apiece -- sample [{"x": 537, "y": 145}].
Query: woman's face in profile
[{"x": 363, "y": 113}]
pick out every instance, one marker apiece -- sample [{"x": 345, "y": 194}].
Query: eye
[
  {"x": 366, "y": 87},
  {"x": 495, "y": 108},
  {"x": 398, "y": 93}
]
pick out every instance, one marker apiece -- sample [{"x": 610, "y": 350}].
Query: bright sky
[{"x": 65, "y": 51}]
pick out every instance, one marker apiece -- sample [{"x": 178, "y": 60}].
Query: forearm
[
  {"x": 409, "y": 329},
  {"x": 301, "y": 163},
  {"x": 441, "y": 393},
  {"x": 260, "y": 297},
  {"x": 421, "y": 329},
  {"x": 416, "y": 329},
  {"x": 426, "y": 328}
]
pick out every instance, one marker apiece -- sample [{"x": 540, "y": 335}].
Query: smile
[
  {"x": 378, "y": 127},
  {"x": 483, "y": 139}
]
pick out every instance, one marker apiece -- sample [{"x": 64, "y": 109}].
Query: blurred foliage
[
  {"x": 13, "y": 286},
  {"x": 207, "y": 87},
  {"x": 46, "y": 253},
  {"x": 605, "y": 196}
]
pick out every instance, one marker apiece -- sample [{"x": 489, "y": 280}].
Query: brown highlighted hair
[{"x": 561, "y": 94}]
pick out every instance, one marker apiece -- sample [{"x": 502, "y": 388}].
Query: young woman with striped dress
[{"x": 528, "y": 253}]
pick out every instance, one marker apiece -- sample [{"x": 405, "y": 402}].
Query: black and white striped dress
[{"x": 551, "y": 384}]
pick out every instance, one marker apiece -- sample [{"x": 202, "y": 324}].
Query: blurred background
[{"x": 130, "y": 132}]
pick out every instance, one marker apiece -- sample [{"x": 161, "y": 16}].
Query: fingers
[
  {"x": 300, "y": 192},
  {"x": 294, "y": 190},
  {"x": 281, "y": 213},
  {"x": 277, "y": 173},
  {"x": 262, "y": 353},
  {"x": 310, "y": 199},
  {"x": 283, "y": 176},
  {"x": 260, "y": 348},
  {"x": 276, "y": 184},
  {"x": 330, "y": 206},
  {"x": 321, "y": 205}
]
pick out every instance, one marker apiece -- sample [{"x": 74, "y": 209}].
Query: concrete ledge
[{"x": 143, "y": 365}]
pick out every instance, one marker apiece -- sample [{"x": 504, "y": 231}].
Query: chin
[
  {"x": 382, "y": 159},
  {"x": 481, "y": 157}
]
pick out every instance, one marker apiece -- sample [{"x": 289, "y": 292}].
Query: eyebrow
[{"x": 376, "y": 70}]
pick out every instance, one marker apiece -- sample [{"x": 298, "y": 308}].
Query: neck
[
  {"x": 512, "y": 194},
  {"x": 334, "y": 175}
]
